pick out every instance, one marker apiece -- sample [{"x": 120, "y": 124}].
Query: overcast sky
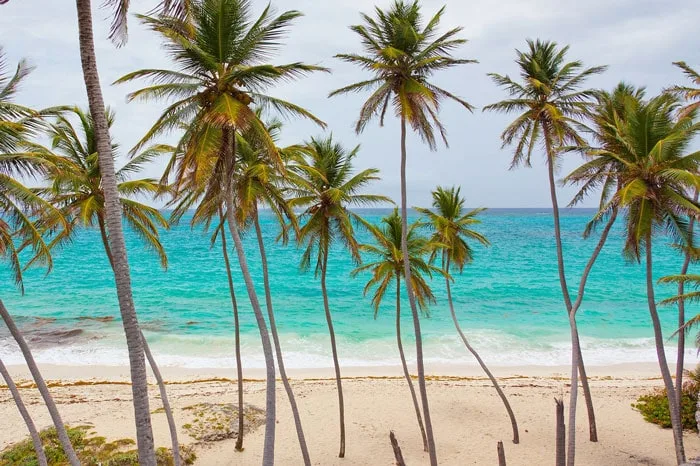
[{"x": 637, "y": 39}]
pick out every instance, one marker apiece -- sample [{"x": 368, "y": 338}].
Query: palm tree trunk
[
  {"x": 229, "y": 151},
  {"x": 239, "y": 364},
  {"x": 334, "y": 349},
  {"x": 511, "y": 415},
  {"x": 573, "y": 398},
  {"x": 151, "y": 361},
  {"x": 276, "y": 340},
  {"x": 270, "y": 416},
  {"x": 567, "y": 300},
  {"x": 41, "y": 385},
  {"x": 403, "y": 361},
  {"x": 36, "y": 439},
  {"x": 663, "y": 364},
  {"x": 166, "y": 404},
  {"x": 137, "y": 363},
  {"x": 680, "y": 355},
  {"x": 592, "y": 430},
  {"x": 412, "y": 301}
]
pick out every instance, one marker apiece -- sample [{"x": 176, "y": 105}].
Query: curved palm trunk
[
  {"x": 137, "y": 363},
  {"x": 576, "y": 360},
  {"x": 680, "y": 355},
  {"x": 270, "y": 416},
  {"x": 593, "y": 433},
  {"x": 511, "y": 415},
  {"x": 403, "y": 362},
  {"x": 36, "y": 439},
  {"x": 239, "y": 364},
  {"x": 151, "y": 361},
  {"x": 166, "y": 403},
  {"x": 412, "y": 301},
  {"x": 276, "y": 340},
  {"x": 663, "y": 364},
  {"x": 41, "y": 385},
  {"x": 336, "y": 364}
]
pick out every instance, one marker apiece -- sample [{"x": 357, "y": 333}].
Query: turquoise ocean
[{"x": 508, "y": 301}]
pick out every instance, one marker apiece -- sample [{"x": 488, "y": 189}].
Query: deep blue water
[{"x": 509, "y": 300}]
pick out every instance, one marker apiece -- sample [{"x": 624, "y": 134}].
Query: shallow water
[{"x": 508, "y": 301}]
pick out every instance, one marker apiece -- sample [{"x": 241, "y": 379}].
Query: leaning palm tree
[
  {"x": 655, "y": 174},
  {"x": 389, "y": 268},
  {"x": 325, "y": 185},
  {"x": 550, "y": 106},
  {"x": 27, "y": 221},
  {"x": 402, "y": 53},
  {"x": 452, "y": 229},
  {"x": 221, "y": 52},
  {"x": 76, "y": 188}
]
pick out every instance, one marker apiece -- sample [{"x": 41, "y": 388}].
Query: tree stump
[{"x": 397, "y": 450}]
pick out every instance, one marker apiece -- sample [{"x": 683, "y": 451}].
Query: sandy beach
[{"x": 468, "y": 417}]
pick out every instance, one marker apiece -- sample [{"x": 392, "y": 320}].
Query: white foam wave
[{"x": 313, "y": 351}]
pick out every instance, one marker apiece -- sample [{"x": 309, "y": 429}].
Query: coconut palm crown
[{"x": 76, "y": 182}]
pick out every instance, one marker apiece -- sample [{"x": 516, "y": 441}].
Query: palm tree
[
  {"x": 258, "y": 182},
  {"x": 402, "y": 52},
  {"x": 325, "y": 185},
  {"x": 389, "y": 267},
  {"x": 113, "y": 220},
  {"x": 26, "y": 222},
  {"x": 76, "y": 188},
  {"x": 452, "y": 228},
  {"x": 221, "y": 52},
  {"x": 550, "y": 107},
  {"x": 655, "y": 174}
]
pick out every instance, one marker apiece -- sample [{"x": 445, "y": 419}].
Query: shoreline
[{"x": 72, "y": 373}]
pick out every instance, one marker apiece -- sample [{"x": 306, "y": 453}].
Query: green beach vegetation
[{"x": 227, "y": 165}]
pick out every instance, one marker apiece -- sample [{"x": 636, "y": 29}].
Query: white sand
[{"x": 468, "y": 417}]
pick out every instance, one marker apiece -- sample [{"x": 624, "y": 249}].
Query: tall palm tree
[
  {"x": 550, "y": 106},
  {"x": 389, "y": 268},
  {"x": 76, "y": 188},
  {"x": 655, "y": 173},
  {"x": 221, "y": 52},
  {"x": 452, "y": 229},
  {"x": 26, "y": 220},
  {"x": 259, "y": 182},
  {"x": 402, "y": 52},
  {"x": 113, "y": 220},
  {"x": 324, "y": 183}
]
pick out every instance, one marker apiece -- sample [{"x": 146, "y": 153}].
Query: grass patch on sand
[{"x": 92, "y": 450}]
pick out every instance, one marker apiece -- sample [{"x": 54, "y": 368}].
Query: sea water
[{"x": 508, "y": 301}]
